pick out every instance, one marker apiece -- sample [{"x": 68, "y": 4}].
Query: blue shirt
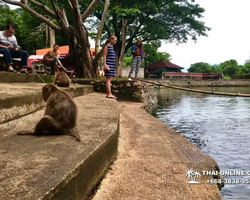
[{"x": 134, "y": 49}]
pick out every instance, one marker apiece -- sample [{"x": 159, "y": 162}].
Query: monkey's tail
[
  {"x": 74, "y": 134},
  {"x": 25, "y": 132}
]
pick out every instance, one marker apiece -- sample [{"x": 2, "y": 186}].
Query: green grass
[{"x": 226, "y": 78}]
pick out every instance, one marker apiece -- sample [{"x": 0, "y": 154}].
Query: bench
[{"x": 3, "y": 67}]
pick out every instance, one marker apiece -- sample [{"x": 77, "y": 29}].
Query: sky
[{"x": 229, "y": 37}]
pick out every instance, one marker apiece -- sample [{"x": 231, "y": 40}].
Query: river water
[{"x": 218, "y": 125}]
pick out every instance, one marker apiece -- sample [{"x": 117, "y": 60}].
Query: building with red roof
[{"x": 156, "y": 69}]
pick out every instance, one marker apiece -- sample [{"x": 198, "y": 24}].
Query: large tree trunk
[
  {"x": 121, "y": 57},
  {"x": 99, "y": 32},
  {"x": 98, "y": 36},
  {"x": 80, "y": 54},
  {"x": 76, "y": 36}
]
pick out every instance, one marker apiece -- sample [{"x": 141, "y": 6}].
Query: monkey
[
  {"x": 60, "y": 114},
  {"x": 62, "y": 79}
]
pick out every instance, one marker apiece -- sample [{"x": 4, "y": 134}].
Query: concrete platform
[
  {"x": 7, "y": 77},
  {"x": 19, "y": 99},
  {"x": 153, "y": 161},
  {"x": 59, "y": 167}
]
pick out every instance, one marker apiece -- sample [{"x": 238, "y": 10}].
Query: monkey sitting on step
[
  {"x": 60, "y": 114},
  {"x": 62, "y": 79}
]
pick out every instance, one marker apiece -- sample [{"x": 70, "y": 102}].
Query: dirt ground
[{"x": 152, "y": 162}]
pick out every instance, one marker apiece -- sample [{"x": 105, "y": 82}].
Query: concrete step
[
  {"x": 7, "y": 77},
  {"x": 59, "y": 167},
  {"x": 19, "y": 99}
]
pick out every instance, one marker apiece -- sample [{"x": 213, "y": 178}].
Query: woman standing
[
  {"x": 137, "y": 53},
  {"x": 109, "y": 64}
]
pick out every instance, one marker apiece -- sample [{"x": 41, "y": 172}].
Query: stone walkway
[{"x": 152, "y": 162}]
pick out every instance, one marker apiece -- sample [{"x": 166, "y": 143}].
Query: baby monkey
[{"x": 62, "y": 79}]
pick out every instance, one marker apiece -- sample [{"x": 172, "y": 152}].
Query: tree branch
[
  {"x": 45, "y": 8},
  {"x": 70, "y": 4},
  {"x": 99, "y": 32},
  {"x": 25, "y": 7},
  {"x": 89, "y": 10}
]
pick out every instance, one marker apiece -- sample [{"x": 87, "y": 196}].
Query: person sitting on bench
[
  {"x": 9, "y": 49},
  {"x": 52, "y": 56}
]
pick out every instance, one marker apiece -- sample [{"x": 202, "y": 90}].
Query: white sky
[{"x": 229, "y": 37}]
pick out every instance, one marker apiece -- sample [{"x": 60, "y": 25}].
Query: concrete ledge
[
  {"x": 152, "y": 162},
  {"x": 7, "y": 77},
  {"x": 58, "y": 167},
  {"x": 17, "y": 100}
]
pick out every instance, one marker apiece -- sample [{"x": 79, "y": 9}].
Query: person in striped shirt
[{"x": 9, "y": 48}]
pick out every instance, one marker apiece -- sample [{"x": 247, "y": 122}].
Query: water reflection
[{"x": 218, "y": 125}]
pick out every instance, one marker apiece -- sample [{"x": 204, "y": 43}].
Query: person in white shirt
[{"x": 9, "y": 49}]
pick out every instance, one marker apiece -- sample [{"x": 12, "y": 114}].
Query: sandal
[
  {"x": 23, "y": 71},
  {"x": 29, "y": 70},
  {"x": 112, "y": 97},
  {"x": 12, "y": 70}
]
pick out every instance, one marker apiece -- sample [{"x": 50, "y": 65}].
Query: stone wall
[{"x": 127, "y": 90}]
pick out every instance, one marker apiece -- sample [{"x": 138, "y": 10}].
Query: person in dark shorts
[{"x": 109, "y": 64}]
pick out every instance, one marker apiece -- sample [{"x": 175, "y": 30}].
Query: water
[{"x": 218, "y": 125}]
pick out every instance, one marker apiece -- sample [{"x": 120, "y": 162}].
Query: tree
[
  {"x": 7, "y": 15},
  {"x": 245, "y": 69},
  {"x": 169, "y": 20},
  {"x": 152, "y": 53},
  {"x": 75, "y": 33},
  {"x": 229, "y": 67},
  {"x": 200, "y": 67}
]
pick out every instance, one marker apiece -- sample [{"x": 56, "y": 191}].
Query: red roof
[{"x": 164, "y": 64}]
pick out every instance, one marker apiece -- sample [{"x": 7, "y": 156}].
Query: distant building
[{"x": 155, "y": 70}]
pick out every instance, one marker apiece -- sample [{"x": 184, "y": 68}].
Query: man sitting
[
  {"x": 9, "y": 49},
  {"x": 52, "y": 56}
]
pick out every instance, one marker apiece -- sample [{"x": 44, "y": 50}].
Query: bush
[{"x": 240, "y": 76}]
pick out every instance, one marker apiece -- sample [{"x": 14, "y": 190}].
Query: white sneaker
[{"x": 129, "y": 79}]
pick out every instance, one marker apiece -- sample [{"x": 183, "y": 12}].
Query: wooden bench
[{"x": 16, "y": 63}]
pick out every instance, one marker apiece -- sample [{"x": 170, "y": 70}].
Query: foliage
[
  {"x": 240, "y": 76},
  {"x": 127, "y": 61},
  {"x": 159, "y": 71},
  {"x": 169, "y": 20},
  {"x": 228, "y": 68},
  {"x": 152, "y": 54},
  {"x": 7, "y": 15},
  {"x": 202, "y": 67}
]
